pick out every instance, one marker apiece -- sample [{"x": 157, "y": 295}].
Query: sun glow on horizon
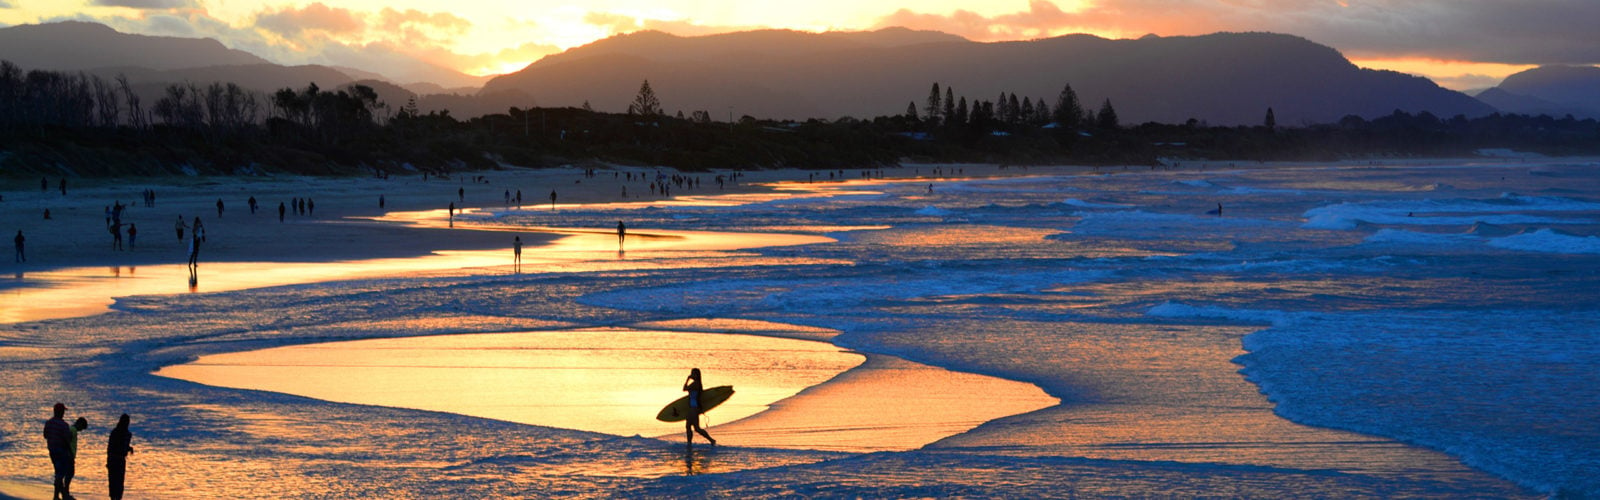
[{"x": 1453, "y": 75}]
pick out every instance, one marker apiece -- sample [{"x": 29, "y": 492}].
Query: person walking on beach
[
  {"x": 552, "y": 199},
  {"x": 58, "y": 439},
  {"x": 219, "y": 208},
  {"x": 516, "y": 254},
  {"x": 252, "y": 203},
  {"x": 691, "y": 425},
  {"x": 281, "y": 208},
  {"x": 18, "y": 241},
  {"x": 118, "y": 446},
  {"x": 179, "y": 227},
  {"x": 461, "y": 194},
  {"x": 194, "y": 256},
  {"x": 622, "y": 233},
  {"x": 116, "y": 235}
]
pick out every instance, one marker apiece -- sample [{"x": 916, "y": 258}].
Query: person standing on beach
[
  {"x": 461, "y": 194},
  {"x": 281, "y": 208},
  {"x": 552, "y": 199},
  {"x": 252, "y": 203},
  {"x": 691, "y": 425},
  {"x": 133, "y": 235},
  {"x": 219, "y": 208},
  {"x": 18, "y": 241},
  {"x": 58, "y": 439},
  {"x": 380, "y": 202},
  {"x": 622, "y": 233},
  {"x": 63, "y": 186},
  {"x": 179, "y": 227},
  {"x": 199, "y": 229},
  {"x": 516, "y": 254},
  {"x": 116, "y": 235},
  {"x": 194, "y": 255},
  {"x": 118, "y": 446},
  {"x": 78, "y": 427}
]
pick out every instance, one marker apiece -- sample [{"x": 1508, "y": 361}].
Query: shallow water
[{"x": 1374, "y": 300}]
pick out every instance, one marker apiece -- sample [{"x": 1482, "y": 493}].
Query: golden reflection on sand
[
  {"x": 85, "y": 291},
  {"x": 614, "y": 381}
]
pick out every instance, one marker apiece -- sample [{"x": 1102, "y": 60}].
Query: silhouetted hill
[
  {"x": 1571, "y": 89},
  {"x": 76, "y": 45},
  {"x": 1529, "y": 105},
  {"x": 1224, "y": 78}
]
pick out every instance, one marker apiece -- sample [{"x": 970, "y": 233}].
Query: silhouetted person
[
  {"x": 194, "y": 256},
  {"x": 452, "y": 214},
  {"x": 461, "y": 194},
  {"x": 552, "y": 199},
  {"x": 252, "y": 204},
  {"x": 622, "y": 233},
  {"x": 118, "y": 446},
  {"x": 199, "y": 229},
  {"x": 63, "y": 186},
  {"x": 311, "y": 207},
  {"x": 692, "y": 424},
  {"x": 516, "y": 253},
  {"x": 133, "y": 235},
  {"x": 18, "y": 241},
  {"x": 78, "y": 427},
  {"x": 179, "y": 227},
  {"x": 58, "y": 439},
  {"x": 44, "y": 184},
  {"x": 380, "y": 202},
  {"x": 219, "y": 208},
  {"x": 116, "y": 235},
  {"x": 46, "y": 214},
  {"x": 281, "y": 209}
]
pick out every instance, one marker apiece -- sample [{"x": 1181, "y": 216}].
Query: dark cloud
[
  {"x": 147, "y": 4},
  {"x": 290, "y": 22},
  {"x": 1525, "y": 32}
]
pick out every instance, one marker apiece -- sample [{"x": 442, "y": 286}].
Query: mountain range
[
  {"x": 1221, "y": 79},
  {"x": 1551, "y": 90}
]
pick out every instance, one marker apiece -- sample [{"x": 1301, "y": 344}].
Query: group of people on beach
[{"x": 62, "y": 439}]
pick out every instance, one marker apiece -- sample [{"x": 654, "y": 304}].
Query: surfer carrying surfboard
[{"x": 691, "y": 425}]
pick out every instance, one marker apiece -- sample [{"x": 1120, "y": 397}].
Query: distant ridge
[
  {"x": 1223, "y": 78},
  {"x": 1552, "y": 90},
  {"x": 73, "y": 45}
]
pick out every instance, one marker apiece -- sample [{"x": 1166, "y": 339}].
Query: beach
[{"x": 1111, "y": 290}]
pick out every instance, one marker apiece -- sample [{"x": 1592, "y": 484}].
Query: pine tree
[
  {"x": 935, "y": 104},
  {"x": 1013, "y": 111},
  {"x": 911, "y": 111},
  {"x": 1068, "y": 110},
  {"x": 949, "y": 115},
  {"x": 1107, "y": 119},
  {"x": 961, "y": 111},
  {"x": 1272, "y": 121},
  {"x": 645, "y": 104}
]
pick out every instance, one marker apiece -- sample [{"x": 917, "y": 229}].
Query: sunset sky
[{"x": 1459, "y": 43}]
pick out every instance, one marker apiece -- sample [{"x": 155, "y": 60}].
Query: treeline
[{"x": 56, "y": 123}]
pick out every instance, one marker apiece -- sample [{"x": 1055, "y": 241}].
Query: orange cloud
[
  {"x": 620, "y": 23},
  {"x": 416, "y": 27},
  {"x": 314, "y": 17}
]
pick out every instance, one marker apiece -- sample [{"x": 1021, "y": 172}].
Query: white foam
[{"x": 1549, "y": 241}]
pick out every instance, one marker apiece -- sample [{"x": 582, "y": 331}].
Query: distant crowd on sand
[{"x": 62, "y": 441}]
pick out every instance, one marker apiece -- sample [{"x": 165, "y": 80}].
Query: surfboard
[{"x": 678, "y": 411}]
